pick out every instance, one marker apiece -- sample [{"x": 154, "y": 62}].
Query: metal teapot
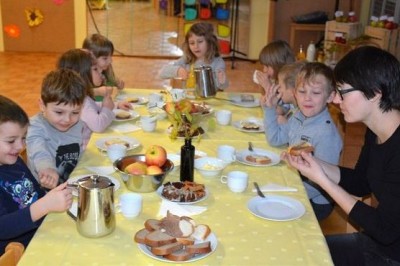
[
  {"x": 205, "y": 86},
  {"x": 96, "y": 213}
]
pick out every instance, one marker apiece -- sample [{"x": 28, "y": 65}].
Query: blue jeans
[{"x": 357, "y": 249}]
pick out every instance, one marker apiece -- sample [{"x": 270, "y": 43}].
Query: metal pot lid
[
  {"x": 202, "y": 67},
  {"x": 95, "y": 181}
]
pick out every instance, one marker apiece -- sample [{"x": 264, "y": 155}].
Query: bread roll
[
  {"x": 123, "y": 115},
  {"x": 302, "y": 147}
]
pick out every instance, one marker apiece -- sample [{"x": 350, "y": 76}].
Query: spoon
[
  {"x": 251, "y": 146},
  {"x": 259, "y": 192}
]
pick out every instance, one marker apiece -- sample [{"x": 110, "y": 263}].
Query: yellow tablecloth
[{"x": 243, "y": 239}]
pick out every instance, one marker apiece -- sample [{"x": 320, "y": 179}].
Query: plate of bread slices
[
  {"x": 130, "y": 143},
  {"x": 176, "y": 239},
  {"x": 183, "y": 192},
  {"x": 250, "y": 125},
  {"x": 133, "y": 99},
  {"x": 257, "y": 157},
  {"x": 123, "y": 115},
  {"x": 244, "y": 100}
]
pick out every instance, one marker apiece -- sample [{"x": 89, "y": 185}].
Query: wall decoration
[
  {"x": 12, "y": 30},
  {"x": 34, "y": 17},
  {"x": 58, "y": 2}
]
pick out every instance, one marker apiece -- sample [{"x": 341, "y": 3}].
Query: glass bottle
[
  {"x": 187, "y": 161},
  {"x": 311, "y": 52},
  {"x": 301, "y": 55}
]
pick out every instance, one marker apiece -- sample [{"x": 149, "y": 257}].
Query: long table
[{"x": 243, "y": 239}]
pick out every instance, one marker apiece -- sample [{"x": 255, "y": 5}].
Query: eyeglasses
[{"x": 344, "y": 91}]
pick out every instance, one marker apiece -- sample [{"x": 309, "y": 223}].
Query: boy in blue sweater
[
  {"x": 311, "y": 123},
  {"x": 23, "y": 204}
]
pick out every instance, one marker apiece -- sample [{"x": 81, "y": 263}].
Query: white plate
[
  {"x": 235, "y": 99},
  {"x": 241, "y": 157},
  {"x": 74, "y": 179},
  {"x": 133, "y": 143},
  {"x": 276, "y": 208},
  {"x": 238, "y": 125},
  {"x": 133, "y": 114},
  {"x": 212, "y": 238},
  {"x": 159, "y": 191},
  {"x": 141, "y": 100}
]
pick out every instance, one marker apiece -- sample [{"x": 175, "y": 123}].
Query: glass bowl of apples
[{"x": 144, "y": 172}]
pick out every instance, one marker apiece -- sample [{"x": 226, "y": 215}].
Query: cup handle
[{"x": 224, "y": 179}]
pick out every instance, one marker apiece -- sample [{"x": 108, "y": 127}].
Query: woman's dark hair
[{"x": 371, "y": 70}]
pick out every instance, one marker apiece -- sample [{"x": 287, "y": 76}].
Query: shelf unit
[
  {"x": 385, "y": 39},
  {"x": 219, "y": 15}
]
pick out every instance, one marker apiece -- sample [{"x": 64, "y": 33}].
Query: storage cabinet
[{"x": 347, "y": 31}]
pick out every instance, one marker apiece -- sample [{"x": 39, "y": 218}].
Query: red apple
[
  {"x": 136, "y": 168},
  {"x": 154, "y": 170},
  {"x": 156, "y": 155}
]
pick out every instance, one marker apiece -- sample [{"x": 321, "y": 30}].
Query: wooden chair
[{"x": 12, "y": 254}]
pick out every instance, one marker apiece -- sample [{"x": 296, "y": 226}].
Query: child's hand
[
  {"x": 264, "y": 80},
  {"x": 48, "y": 178},
  {"x": 182, "y": 73},
  {"x": 271, "y": 97},
  {"x": 103, "y": 90},
  {"x": 221, "y": 76},
  {"x": 108, "y": 101},
  {"x": 58, "y": 199},
  {"x": 124, "y": 105},
  {"x": 120, "y": 84}
]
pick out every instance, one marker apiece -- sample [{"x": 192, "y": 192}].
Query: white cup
[
  {"x": 147, "y": 123},
  {"x": 116, "y": 151},
  {"x": 223, "y": 117},
  {"x": 236, "y": 180},
  {"x": 226, "y": 153},
  {"x": 155, "y": 98},
  {"x": 178, "y": 94},
  {"x": 130, "y": 204}
]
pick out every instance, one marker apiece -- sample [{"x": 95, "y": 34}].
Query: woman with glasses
[{"x": 368, "y": 91}]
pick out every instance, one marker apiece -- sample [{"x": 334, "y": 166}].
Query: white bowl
[
  {"x": 210, "y": 166},
  {"x": 176, "y": 159}
]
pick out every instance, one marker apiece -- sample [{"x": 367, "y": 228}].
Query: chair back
[{"x": 12, "y": 254}]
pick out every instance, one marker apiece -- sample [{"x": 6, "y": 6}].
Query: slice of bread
[
  {"x": 180, "y": 255},
  {"x": 140, "y": 236},
  {"x": 152, "y": 224},
  {"x": 123, "y": 115},
  {"x": 116, "y": 141},
  {"x": 258, "y": 159},
  {"x": 157, "y": 238},
  {"x": 185, "y": 240},
  {"x": 186, "y": 227},
  {"x": 166, "y": 249},
  {"x": 201, "y": 248},
  {"x": 201, "y": 232}
]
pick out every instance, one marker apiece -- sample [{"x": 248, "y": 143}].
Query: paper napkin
[
  {"x": 271, "y": 187},
  {"x": 101, "y": 170},
  {"x": 124, "y": 128},
  {"x": 178, "y": 209}
]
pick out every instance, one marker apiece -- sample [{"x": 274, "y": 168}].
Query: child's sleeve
[
  {"x": 39, "y": 156},
  {"x": 171, "y": 70},
  {"x": 275, "y": 133},
  {"x": 96, "y": 117}
]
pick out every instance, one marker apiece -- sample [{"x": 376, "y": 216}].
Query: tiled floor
[{"x": 21, "y": 75}]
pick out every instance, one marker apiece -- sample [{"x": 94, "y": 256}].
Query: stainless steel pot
[
  {"x": 205, "y": 86},
  {"x": 96, "y": 213}
]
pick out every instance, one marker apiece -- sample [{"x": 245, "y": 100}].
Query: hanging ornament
[
  {"x": 12, "y": 30},
  {"x": 58, "y": 2},
  {"x": 34, "y": 17}
]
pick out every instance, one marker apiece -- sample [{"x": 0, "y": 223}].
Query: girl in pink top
[{"x": 96, "y": 116}]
